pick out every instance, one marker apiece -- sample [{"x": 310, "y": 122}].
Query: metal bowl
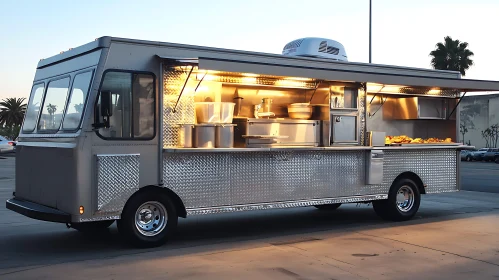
[{"x": 301, "y": 111}]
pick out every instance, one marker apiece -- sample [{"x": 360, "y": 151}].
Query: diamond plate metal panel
[
  {"x": 318, "y": 174},
  {"x": 437, "y": 168},
  {"x": 220, "y": 181},
  {"x": 117, "y": 180},
  {"x": 173, "y": 81},
  {"x": 285, "y": 204},
  {"x": 199, "y": 179},
  {"x": 252, "y": 175},
  {"x": 229, "y": 178}
]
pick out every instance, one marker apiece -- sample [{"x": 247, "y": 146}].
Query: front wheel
[
  {"x": 402, "y": 203},
  {"x": 148, "y": 219},
  {"x": 468, "y": 158}
]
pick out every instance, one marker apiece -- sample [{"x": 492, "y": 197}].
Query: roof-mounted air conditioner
[{"x": 316, "y": 47}]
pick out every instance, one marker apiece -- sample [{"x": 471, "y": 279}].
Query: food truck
[{"x": 142, "y": 133}]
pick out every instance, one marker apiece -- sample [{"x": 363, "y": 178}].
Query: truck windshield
[
  {"x": 78, "y": 97},
  {"x": 62, "y": 106},
  {"x": 33, "y": 107},
  {"x": 53, "y": 105}
]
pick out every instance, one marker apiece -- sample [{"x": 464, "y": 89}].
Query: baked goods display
[{"x": 404, "y": 139}]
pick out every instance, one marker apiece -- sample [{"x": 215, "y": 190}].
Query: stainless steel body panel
[
  {"x": 374, "y": 167},
  {"x": 117, "y": 180},
  {"x": 48, "y": 176},
  {"x": 212, "y": 182}
]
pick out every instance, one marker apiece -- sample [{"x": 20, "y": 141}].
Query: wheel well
[
  {"x": 413, "y": 177},
  {"x": 179, "y": 205}
]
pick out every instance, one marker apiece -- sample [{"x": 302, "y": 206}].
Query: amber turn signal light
[{"x": 82, "y": 210}]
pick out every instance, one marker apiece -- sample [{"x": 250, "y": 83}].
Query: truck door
[{"x": 125, "y": 146}]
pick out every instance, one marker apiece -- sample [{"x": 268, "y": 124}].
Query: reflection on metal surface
[
  {"x": 286, "y": 204},
  {"x": 437, "y": 168},
  {"x": 218, "y": 178}
]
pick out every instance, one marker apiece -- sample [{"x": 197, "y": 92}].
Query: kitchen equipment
[
  {"x": 238, "y": 101},
  {"x": 204, "y": 135},
  {"x": 224, "y": 136},
  {"x": 301, "y": 111},
  {"x": 345, "y": 127},
  {"x": 214, "y": 112},
  {"x": 376, "y": 138},
  {"x": 252, "y": 132},
  {"x": 185, "y": 135},
  {"x": 374, "y": 168},
  {"x": 267, "y": 105}
]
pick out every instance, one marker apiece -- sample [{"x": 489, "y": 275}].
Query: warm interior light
[
  {"x": 82, "y": 210},
  {"x": 248, "y": 80}
]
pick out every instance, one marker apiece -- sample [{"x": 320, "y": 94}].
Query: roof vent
[{"x": 316, "y": 47}]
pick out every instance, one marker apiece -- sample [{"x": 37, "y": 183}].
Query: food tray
[{"x": 423, "y": 144}]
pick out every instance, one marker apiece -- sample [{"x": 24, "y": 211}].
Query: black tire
[
  {"x": 328, "y": 207},
  {"x": 90, "y": 227},
  {"x": 388, "y": 209},
  {"x": 153, "y": 216},
  {"x": 468, "y": 158},
  {"x": 496, "y": 159}
]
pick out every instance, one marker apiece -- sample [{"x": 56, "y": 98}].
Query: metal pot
[
  {"x": 224, "y": 136},
  {"x": 204, "y": 135},
  {"x": 301, "y": 111},
  {"x": 185, "y": 135}
]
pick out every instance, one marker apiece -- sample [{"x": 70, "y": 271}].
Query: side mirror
[
  {"x": 106, "y": 104},
  {"x": 106, "y": 110}
]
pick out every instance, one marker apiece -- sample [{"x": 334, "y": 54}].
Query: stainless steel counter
[
  {"x": 294, "y": 148},
  {"x": 307, "y": 148}
]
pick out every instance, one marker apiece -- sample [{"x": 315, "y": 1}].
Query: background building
[{"x": 479, "y": 113}]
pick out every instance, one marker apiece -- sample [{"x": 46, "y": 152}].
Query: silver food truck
[{"x": 143, "y": 132}]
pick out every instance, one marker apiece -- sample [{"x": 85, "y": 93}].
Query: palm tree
[
  {"x": 12, "y": 111},
  {"x": 452, "y": 55}
]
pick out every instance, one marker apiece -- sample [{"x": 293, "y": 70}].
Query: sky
[{"x": 403, "y": 32}]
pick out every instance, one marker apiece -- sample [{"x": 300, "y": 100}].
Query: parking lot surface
[{"x": 454, "y": 236}]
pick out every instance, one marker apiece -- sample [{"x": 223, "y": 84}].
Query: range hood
[{"x": 414, "y": 108}]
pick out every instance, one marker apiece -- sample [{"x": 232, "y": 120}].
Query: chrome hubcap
[
  {"x": 151, "y": 218},
  {"x": 405, "y": 199}
]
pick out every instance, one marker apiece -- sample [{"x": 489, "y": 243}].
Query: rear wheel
[
  {"x": 88, "y": 227},
  {"x": 496, "y": 159},
  {"x": 402, "y": 203},
  {"x": 328, "y": 207},
  {"x": 148, "y": 219},
  {"x": 468, "y": 158}
]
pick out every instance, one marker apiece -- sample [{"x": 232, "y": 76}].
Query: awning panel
[{"x": 363, "y": 74}]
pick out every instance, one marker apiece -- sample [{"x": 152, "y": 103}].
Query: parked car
[
  {"x": 489, "y": 154},
  {"x": 7, "y": 146},
  {"x": 467, "y": 155},
  {"x": 478, "y": 155}
]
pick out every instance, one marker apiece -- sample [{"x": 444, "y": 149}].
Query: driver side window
[{"x": 133, "y": 106}]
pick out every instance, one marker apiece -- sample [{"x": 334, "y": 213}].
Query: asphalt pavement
[
  {"x": 453, "y": 236},
  {"x": 480, "y": 176}
]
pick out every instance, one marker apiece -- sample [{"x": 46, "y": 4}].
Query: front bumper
[{"x": 37, "y": 211}]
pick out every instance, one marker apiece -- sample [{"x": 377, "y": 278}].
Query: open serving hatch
[{"x": 406, "y": 92}]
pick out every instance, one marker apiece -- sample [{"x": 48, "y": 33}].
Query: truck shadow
[{"x": 61, "y": 245}]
